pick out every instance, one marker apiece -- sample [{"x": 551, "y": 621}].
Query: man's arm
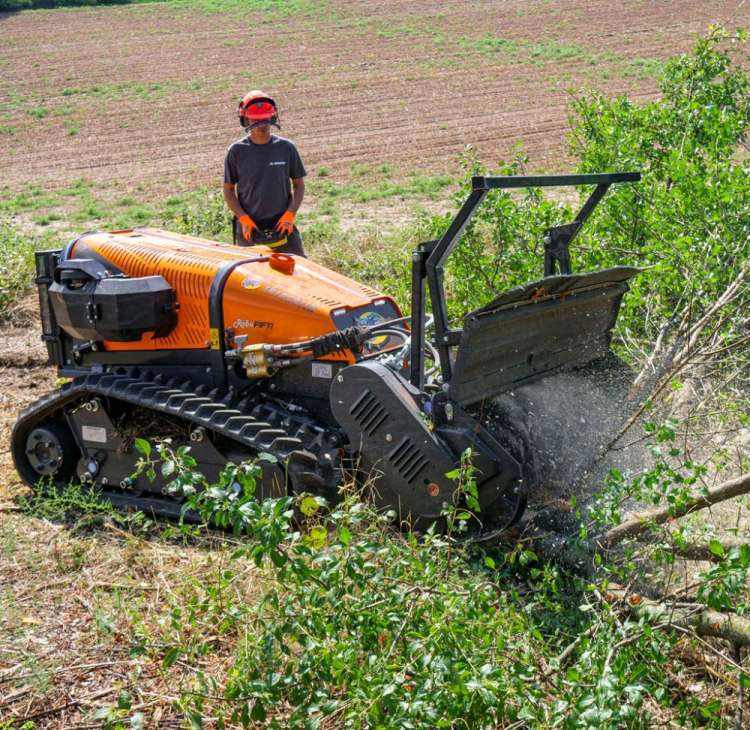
[
  {"x": 247, "y": 224},
  {"x": 298, "y": 192},
  {"x": 230, "y": 196},
  {"x": 285, "y": 224}
]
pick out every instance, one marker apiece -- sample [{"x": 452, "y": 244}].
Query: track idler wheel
[{"x": 51, "y": 450}]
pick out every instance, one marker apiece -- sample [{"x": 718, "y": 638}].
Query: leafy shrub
[
  {"x": 16, "y": 264},
  {"x": 362, "y": 627},
  {"x": 204, "y": 214},
  {"x": 688, "y": 220}
]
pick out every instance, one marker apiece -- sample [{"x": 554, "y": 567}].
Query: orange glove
[
  {"x": 248, "y": 225},
  {"x": 285, "y": 224}
]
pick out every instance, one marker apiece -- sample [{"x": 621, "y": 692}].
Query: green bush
[
  {"x": 203, "y": 214},
  {"x": 687, "y": 221},
  {"x": 359, "y": 626},
  {"x": 16, "y": 264}
]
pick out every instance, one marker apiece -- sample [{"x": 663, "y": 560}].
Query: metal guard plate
[{"x": 535, "y": 330}]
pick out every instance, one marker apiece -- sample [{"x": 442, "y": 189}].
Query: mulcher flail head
[{"x": 560, "y": 322}]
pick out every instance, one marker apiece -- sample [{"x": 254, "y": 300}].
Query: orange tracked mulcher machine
[{"x": 240, "y": 351}]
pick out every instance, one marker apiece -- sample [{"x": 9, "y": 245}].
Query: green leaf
[
  {"x": 344, "y": 536},
  {"x": 143, "y": 447},
  {"x": 258, "y": 713},
  {"x": 309, "y": 506},
  {"x": 196, "y": 720},
  {"x": 171, "y": 657},
  {"x": 489, "y": 562},
  {"x": 168, "y": 467},
  {"x": 716, "y": 548},
  {"x": 318, "y": 537},
  {"x": 278, "y": 558}
]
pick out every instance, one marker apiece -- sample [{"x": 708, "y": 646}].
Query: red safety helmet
[{"x": 257, "y": 108}]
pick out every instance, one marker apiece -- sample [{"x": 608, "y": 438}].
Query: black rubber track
[{"x": 182, "y": 400}]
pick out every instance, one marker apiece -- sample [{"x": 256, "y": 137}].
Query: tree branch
[
  {"x": 641, "y": 523},
  {"x": 704, "y": 622}
]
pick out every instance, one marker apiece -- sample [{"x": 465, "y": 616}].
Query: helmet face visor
[{"x": 257, "y": 109}]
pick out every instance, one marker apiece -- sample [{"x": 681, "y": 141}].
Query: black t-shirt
[{"x": 262, "y": 173}]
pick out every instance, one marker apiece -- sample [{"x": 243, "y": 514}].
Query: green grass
[
  {"x": 45, "y": 207},
  {"x": 64, "y": 504},
  {"x": 524, "y": 51},
  {"x": 642, "y": 68},
  {"x": 539, "y": 53},
  {"x": 77, "y": 188},
  {"x": 17, "y": 250},
  {"x": 34, "y": 198},
  {"x": 39, "y": 112},
  {"x": 370, "y": 183},
  {"x": 46, "y": 219},
  {"x": 387, "y": 31},
  {"x": 269, "y": 8},
  {"x": 144, "y": 91}
]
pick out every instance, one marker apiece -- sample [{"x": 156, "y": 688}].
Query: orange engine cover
[{"x": 260, "y": 301}]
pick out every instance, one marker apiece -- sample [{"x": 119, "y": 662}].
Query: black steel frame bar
[
  {"x": 429, "y": 259},
  {"x": 569, "y": 231},
  {"x": 434, "y": 269},
  {"x": 216, "y": 315},
  {"x": 416, "y": 362},
  {"x": 479, "y": 182}
]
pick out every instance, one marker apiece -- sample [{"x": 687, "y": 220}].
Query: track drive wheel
[{"x": 51, "y": 451}]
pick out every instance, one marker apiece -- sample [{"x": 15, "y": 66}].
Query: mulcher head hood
[{"x": 257, "y": 108}]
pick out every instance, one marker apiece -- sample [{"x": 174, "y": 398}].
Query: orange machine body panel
[{"x": 260, "y": 302}]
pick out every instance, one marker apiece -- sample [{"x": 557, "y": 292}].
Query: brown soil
[
  {"x": 406, "y": 82},
  {"x": 24, "y": 376}
]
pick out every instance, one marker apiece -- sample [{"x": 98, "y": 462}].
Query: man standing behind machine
[{"x": 264, "y": 180}]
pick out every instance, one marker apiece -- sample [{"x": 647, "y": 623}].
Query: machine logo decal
[
  {"x": 368, "y": 319},
  {"x": 244, "y": 324},
  {"x": 251, "y": 282}
]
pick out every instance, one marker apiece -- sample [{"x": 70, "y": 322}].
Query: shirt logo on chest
[{"x": 277, "y": 162}]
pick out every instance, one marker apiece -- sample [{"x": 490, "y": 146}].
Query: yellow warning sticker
[{"x": 213, "y": 335}]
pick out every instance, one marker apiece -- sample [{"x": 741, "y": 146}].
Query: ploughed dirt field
[{"x": 142, "y": 97}]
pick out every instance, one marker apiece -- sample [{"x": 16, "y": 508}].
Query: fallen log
[
  {"x": 641, "y": 523},
  {"x": 703, "y": 621}
]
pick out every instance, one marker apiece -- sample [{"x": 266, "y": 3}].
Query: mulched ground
[
  {"x": 80, "y": 600},
  {"x": 151, "y": 90}
]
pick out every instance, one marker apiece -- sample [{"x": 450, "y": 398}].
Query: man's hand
[
  {"x": 285, "y": 224},
  {"x": 248, "y": 225}
]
